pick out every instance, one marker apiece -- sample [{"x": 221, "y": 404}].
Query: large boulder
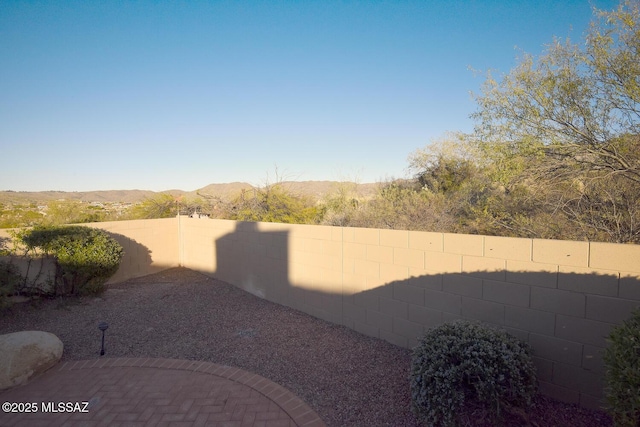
[{"x": 25, "y": 354}]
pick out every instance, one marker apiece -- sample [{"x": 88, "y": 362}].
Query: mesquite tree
[{"x": 567, "y": 125}]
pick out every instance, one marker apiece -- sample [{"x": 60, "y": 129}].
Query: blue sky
[{"x": 98, "y": 95}]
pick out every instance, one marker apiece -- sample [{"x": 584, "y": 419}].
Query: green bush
[
  {"x": 10, "y": 281},
  {"x": 273, "y": 203},
  {"x": 462, "y": 362},
  {"x": 622, "y": 362},
  {"x": 85, "y": 257}
]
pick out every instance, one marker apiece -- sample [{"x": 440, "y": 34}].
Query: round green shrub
[
  {"x": 462, "y": 362},
  {"x": 622, "y": 363},
  {"x": 85, "y": 257}
]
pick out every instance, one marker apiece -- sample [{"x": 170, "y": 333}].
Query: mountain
[
  {"x": 223, "y": 191},
  {"x": 313, "y": 189}
]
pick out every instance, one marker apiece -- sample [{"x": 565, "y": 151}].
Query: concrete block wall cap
[{"x": 26, "y": 354}]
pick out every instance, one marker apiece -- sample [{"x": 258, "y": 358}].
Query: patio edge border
[{"x": 299, "y": 411}]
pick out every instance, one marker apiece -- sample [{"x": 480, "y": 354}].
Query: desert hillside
[{"x": 314, "y": 189}]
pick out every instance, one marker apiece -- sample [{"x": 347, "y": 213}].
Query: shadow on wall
[
  {"x": 256, "y": 261},
  {"x": 136, "y": 260},
  {"x": 566, "y": 316}
]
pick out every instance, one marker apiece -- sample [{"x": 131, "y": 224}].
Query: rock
[{"x": 25, "y": 354}]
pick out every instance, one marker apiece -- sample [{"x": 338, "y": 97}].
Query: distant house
[{"x": 198, "y": 215}]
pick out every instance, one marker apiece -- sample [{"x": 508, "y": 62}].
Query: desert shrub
[
  {"x": 462, "y": 362},
  {"x": 622, "y": 362},
  {"x": 273, "y": 203},
  {"x": 10, "y": 281},
  {"x": 85, "y": 257}
]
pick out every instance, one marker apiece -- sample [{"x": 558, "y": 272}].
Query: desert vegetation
[
  {"x": 555, "y": 152},
  {"x": 84, "y": 259},
  {"x": 468, "y": 363}
]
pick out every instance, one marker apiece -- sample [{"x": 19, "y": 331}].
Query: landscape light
[{"x": 103, "y": 327}]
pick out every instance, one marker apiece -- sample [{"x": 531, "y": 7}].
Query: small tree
[
  {"x": 571, "y": 116},
  {"x": 340, "y": 206},
  {"x": 447, "y": 164},
  {"x": 85, "y": 257},
  {"x": 273, "y": 203},
  {"x": 160, "y": 206}
]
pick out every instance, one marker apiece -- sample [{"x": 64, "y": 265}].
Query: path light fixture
[{"x": 103, "y": 327}]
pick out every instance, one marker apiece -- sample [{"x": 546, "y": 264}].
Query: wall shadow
[
  {"x": 254, "y": 260},
  {"x": 565, "y": 316},
  {"x": 137, "y": 260}
]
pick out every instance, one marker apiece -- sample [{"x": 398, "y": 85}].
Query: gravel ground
[{"x": 347, "y": 378}]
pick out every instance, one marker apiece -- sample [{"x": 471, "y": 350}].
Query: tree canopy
[
  {"x": 577, "y": 105},
  {"x": 565, "y": 127}
]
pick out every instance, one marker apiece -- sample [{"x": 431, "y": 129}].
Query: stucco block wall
[
  {"x": 562, "y": 297},
  {"x": 150, "y": 245}
]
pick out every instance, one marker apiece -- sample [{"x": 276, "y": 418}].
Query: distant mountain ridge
[{"x": 225, "y": 191}]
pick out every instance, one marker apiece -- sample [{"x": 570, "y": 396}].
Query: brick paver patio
[{"x": 155, "y": 392}]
